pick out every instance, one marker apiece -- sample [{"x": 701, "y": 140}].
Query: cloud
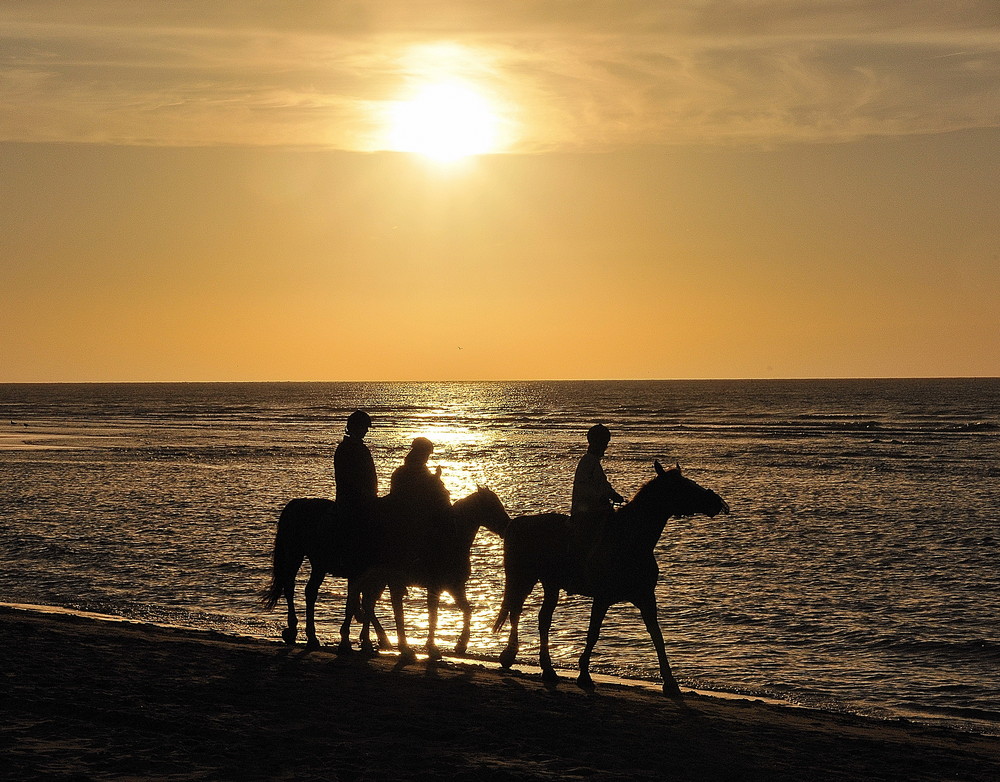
[{"x": 580, "y": 76}]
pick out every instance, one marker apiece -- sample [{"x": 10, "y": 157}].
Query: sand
[{"x": 83, "y": 699}]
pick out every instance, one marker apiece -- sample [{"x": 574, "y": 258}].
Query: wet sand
[{"x": 86, "y": 699}]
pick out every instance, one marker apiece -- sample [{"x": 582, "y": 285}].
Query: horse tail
[
  {"x": 504, "y": 613},
  {"x": 286, "y": 559}
]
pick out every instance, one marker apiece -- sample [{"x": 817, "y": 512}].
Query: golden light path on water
[{"x": 462, "y": 477}]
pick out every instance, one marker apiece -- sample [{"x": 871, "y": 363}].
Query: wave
[
  {"x": 862, "y": 512},
  {"x": 980, "y": 649}
]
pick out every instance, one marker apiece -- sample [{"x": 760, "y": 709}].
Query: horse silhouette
[
  {"x": 441, "y": 564},
  {"x": 622, "y": 567},
  {"x": 374, "y": 552},
  {"x": 311, "y": 528}
]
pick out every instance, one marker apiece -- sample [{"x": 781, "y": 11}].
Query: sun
[{"x": 443, "y": 121}]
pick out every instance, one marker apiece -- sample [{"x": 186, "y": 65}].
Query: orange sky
[{"x": 699, "y": 191}]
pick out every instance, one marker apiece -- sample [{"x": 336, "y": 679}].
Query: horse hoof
[
  {"x": 288, "y": 636},
  {"x": 549, "y": 675},
  {"x": 507, "y": 659},
  {"x": 407, "y": 655},
  {"x": 461, "y": 649},
  {"x": 344, "y": 647},
  {"x": 369, "y": 650},
  {"x": 433, "y": 653},
  {"x": 584, "y": 682},
  {"x": 313, "y": 643}
]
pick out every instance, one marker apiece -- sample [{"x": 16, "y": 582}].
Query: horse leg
[
  {"x": 368, "y": 599},
  {"x": 291, "y": 630},
  {"x": 598, "y": 611},
  {"x": 647, "y": 607},
  {"x": 462, "y": 604},
  {"x": 396, "y": 592},
  {"x": 383, "y": 639},
  {"x": 509, "y": 653},
  {"x": 312, "y": 592},
  {"x": 433, "y": 602},
  {"x": 549, "y": 601},
  {"x": 286, "y": 567},
  {"x": 513, "y": 603},
  {"x": 352, "y": 606}
]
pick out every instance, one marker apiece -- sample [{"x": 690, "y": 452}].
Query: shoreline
[
  {"x": 528, "y": 669},
  {"x": 519, "y": 668},
  {"x": 97, "y": 697}
]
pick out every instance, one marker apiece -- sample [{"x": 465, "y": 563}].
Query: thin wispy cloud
[{"x": 582, "y": 76}]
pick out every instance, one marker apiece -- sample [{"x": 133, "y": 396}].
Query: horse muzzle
[{"x": 723, "y": 507}]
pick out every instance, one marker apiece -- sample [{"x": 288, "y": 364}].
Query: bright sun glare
[{"x": 443, "y": 121}]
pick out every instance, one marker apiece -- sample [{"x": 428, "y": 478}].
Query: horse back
[
  {"x": 538, "y": 540},
  {"x": 307, "y": 507}
]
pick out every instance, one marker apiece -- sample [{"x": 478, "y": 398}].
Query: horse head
[
  {"x": 482, "y": 508},
  {"x": 683, "y": 496}
]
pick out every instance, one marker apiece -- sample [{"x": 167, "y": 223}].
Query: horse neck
[
  {"x": 465, "y": 533},
  {"x": 644, "y": 519},
  {"x": 490, "y": 514},
  {"x": 497, "y": 521},
  {"x": 469, "y": 516}
]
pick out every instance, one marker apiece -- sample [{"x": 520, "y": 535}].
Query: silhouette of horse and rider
[{"x": 415, "y": 536}]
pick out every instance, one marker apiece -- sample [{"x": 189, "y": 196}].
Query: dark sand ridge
[{"x": 89, "y": 699}]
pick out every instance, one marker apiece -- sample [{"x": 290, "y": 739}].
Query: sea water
[{"x": 858, "y": 570}]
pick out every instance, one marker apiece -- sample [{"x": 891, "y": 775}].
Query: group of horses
[{"x": 369, "y": 552}]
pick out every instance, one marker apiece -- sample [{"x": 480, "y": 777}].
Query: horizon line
[{"x": 512, "y": 380}]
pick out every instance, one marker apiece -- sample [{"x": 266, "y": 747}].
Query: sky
[{"x": 456, "y": 190}]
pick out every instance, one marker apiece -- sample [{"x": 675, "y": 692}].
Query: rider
[
  {"x": 594, "y": 497},
  {"x": 413, "y": 480},
  {"x": 592, "y": 491},
  {"x": 353, "y": 466},
  {"x": 423, "y": 501}
]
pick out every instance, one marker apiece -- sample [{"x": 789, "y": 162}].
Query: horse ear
[
  {"x": 658, "y": 467},
  {"x": 678, "y": 466}
]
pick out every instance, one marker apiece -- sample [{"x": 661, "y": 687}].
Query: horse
[
  {"x": 371, "y": 552},
  {"x": 622, "y": 567},
  {"x": 442, "y": 564},
  {"x": 311, "y": 528}
]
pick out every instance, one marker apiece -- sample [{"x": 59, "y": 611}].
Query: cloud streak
[{"x": 581, "y": 76}]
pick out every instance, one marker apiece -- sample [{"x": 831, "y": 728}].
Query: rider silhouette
[
  {"x": 592, "y": 506},
  {"x": 353, "y": 466},
  {"x": 592, "y": 491},
  {"x": 423, "y": 502},
  {"x": 356, "y": 488}
]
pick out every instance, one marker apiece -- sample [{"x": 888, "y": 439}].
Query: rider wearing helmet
[{"x": 353, "y": 466}]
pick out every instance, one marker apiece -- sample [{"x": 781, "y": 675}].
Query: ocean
[{"x": 857, "y": 572}]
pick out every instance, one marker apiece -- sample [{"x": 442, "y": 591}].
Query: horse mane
[
  {"x": 648, "y": 490},
  {"x": 478, "y": 494}
]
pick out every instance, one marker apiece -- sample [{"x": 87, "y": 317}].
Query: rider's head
[
  {"x": 358, "y": 423},
  {"x": 420, "y": 450},
  {"x": 598, "y": 437}
]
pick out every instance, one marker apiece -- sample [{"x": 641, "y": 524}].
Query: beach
[{"x": 86, "y": 698}]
